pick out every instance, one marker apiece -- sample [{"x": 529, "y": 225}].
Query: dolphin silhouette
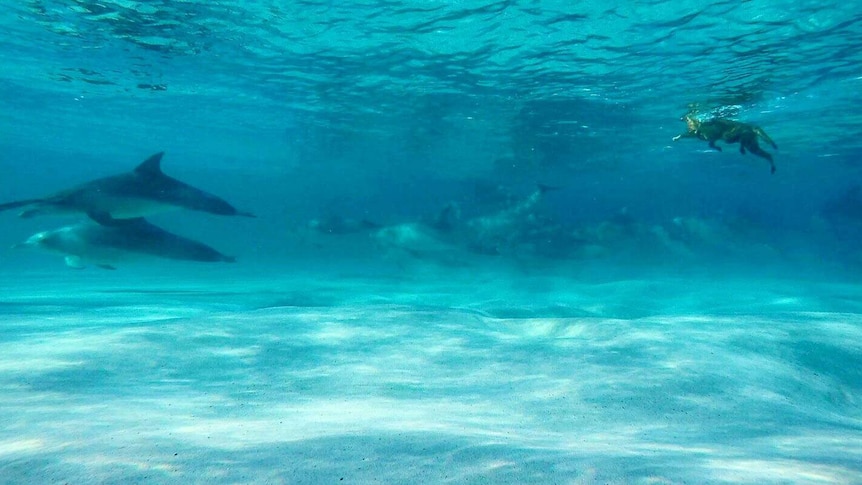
[
  {"x": 491, "y": 234},
  {"x": 105, "y": 246},
  {"x": 142, "y": 192}
]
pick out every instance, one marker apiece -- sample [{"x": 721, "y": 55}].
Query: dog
[{"x": 728, "y": 131}]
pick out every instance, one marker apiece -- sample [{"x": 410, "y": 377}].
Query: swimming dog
[{"x": 728, "y": 131}]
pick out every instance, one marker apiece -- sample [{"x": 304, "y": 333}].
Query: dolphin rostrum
[
  {"x": 142, "y": 192},
  {"x": 105, "y": 246}
]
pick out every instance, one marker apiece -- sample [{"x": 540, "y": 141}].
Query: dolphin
[
  {"x": 418, "y": 241},
  {"x": 506, "y": 230},
  {"x": 104, "y": 246},
  {"x": 495, "y": 233},
  {"x": 142, "y": 192},
  {"x": 513, "y": 218}
]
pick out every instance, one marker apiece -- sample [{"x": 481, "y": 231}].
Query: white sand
[{"x": 112, "y": 379}]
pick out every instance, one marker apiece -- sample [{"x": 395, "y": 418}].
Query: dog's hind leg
[{"x": 763, "y": 154}]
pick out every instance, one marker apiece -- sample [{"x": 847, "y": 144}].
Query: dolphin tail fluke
[{"x": 19, "y": 203}]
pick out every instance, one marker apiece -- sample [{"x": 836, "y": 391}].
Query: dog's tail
[{"x": 762, "y": 134}]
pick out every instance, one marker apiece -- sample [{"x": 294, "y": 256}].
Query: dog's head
[{"x": 691, "y": 122}]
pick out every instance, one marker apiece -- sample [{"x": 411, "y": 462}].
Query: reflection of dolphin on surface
[
  {"x": 140, "y": 193},
  {"x": 106, "y": 245}
]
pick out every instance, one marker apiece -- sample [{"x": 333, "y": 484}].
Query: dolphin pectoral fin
[
  {"x": 104, "y": 218},
  {"x": 106, "y": 266},
  {"x": 74, "y": 262}
]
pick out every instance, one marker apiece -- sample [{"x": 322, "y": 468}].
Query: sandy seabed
[{"x": 470, "y": 379}]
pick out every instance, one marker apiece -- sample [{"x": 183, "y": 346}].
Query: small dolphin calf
[
  {"x": 140, "y": 193},
  {"x": 105, "y": 246}
]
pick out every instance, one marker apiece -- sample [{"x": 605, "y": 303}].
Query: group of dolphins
[
  {"x": 116, "y": 207},
  {"x": 449, "y": 236}
]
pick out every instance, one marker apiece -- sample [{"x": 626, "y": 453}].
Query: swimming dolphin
[
  {"x": 495, "y": 233},
  {"x": 105, "y": 246},
  {"x": 142, "y": 192},
  {"x": 511, "y": 219}
]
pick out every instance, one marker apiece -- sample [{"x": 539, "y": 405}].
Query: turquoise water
[{"x": 478, "y": 255}]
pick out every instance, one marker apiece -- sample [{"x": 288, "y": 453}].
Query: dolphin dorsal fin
[{"x": 151, "y": 166}]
